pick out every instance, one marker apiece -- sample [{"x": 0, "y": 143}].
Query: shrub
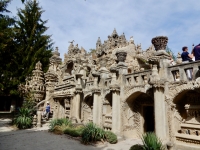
[
  {"x": 59, "y": 122},
  {"x": 75, "y": 132},
  {"x": 58, "y": 130},
  {"x": 151, "y": 142},
  {"x": 23, "y": 119},
  {"x": 137, "y": 147},
  {"x": 92, "y": 133},
  {"x": 111, "y": 137}
]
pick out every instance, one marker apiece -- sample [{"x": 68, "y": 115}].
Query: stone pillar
[
  {"x": 116, "y": 111},
  {"x": 97, "y": 107},
  {"x": 160, "y": 113},
  {"x": 77, "y": 105},
  {"x": 39, "y": 118}
]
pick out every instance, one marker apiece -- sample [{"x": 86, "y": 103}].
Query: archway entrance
[
  {"x": 139, "y": 114},
  {"x": 148, "y": 113},
  {"x": 87, "y": 110}
]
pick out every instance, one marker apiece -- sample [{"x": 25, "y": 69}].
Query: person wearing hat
[{"x": 47, "y": 110}]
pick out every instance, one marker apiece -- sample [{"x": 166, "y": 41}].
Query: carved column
[
  {"x": 76, "y": 112},
  {"x": 160, "y": 112},
  {"x": 161, "y": 57},
  {"x": 97, "y": 106},
  {"x": 116, "y": 111}
]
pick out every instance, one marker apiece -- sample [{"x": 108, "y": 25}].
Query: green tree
[
  {"x": 91, "y": 51},
  {"x": 8, "y": 63},
  {"x": 33, "y": 44}
]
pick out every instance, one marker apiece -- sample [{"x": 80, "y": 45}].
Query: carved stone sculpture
[{"x": 160, "y": 42}]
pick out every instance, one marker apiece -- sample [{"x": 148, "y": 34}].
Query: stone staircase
[{"x": 44, "y": 121}]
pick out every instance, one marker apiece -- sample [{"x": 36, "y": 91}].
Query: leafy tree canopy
[
  {"x": 23, "y": 43},
  {"x": 33, "y": 44}
]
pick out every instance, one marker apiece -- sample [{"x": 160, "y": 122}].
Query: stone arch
[
  {"x": 86, "y": 95},
  {"x": 134, "y": 113},
  {"x": 173, "y": 92},
  {"x": 87, "y": 108},
  {"x": 130, "y": 90},
  {"x": 177, "y": 98}
]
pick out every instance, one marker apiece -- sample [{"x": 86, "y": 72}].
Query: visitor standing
[
  {"x": 196, "y": 52},
  {"x": 186, "y": 57},
  {"x": 47, "y": 110}
]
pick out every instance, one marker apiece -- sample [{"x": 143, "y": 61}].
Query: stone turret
[
  {"x": 37, "y": 82},
  {"x": 51, "y": 76}
]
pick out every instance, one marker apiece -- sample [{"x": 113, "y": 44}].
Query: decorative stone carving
[
  {"x": 160, "y": 42},
  {"x": 36, "y": 84},
  {"x": 179, "y": 58},
  {"x": 121, "y": 56},
  {"x": 155, "y": 76}
]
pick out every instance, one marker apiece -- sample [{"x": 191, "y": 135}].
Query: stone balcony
[
  {"x": 184, "y": 72},
  {"x": 138, "y": 78}
]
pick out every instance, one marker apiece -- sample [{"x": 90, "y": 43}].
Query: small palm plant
[
  {"x": 59, "y": 122},
  {"x": 92, "y": 133},
  {"x": 23, "y": 119},
  {"x": 151, "y": 141}
]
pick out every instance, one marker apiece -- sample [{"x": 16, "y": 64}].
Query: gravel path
[{"x": 41, "y": 139}]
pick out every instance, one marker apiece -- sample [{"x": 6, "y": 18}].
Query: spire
[
  {"x": 56, "y": 53},
  {"x": 98, "y": 44},
  {"x": 99, "y": 40},
  {"x": 38, "y": 66},
  {"x": 114, "y": 34}
]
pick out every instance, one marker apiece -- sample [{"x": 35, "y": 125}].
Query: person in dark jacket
[
  {"x": 186, "y": 57},
  {"x": 196, "y": 52}
]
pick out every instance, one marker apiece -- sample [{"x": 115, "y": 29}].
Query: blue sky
[{"x": 86, "y": 20}]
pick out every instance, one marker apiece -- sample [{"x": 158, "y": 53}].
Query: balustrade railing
[
  {"x": 138, "y": 78},
  {"x": 184, "y": 72}
]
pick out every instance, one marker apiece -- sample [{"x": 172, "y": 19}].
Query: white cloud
[{"x": 85, "y": 21}]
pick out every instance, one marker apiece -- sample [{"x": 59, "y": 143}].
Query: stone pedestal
[
  {"x": 97, "y": 107},
  {"x": 160, "y": 112},
  {"x": 39, "y": 118},
  {"x": 116, "y": 113}
]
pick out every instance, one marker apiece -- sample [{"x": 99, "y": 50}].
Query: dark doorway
[
  {"x": 5, "y": 103},
  {"x": 148, "y": 113}
]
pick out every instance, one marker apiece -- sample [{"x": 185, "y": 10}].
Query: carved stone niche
[
  {"x": 160, "y": 42},
  {"x": 121, "y": 56}
]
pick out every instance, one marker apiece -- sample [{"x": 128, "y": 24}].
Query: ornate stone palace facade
[{"x": 124, "y": 89}]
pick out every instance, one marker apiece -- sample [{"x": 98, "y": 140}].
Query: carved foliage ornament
[{"x": 160, "y": 42}]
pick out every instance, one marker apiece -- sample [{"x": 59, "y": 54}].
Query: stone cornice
[
  {"x": 78, "y": 90},
  {"x": 114, "y": 88},
  {"x": 96, "y": 90}
]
